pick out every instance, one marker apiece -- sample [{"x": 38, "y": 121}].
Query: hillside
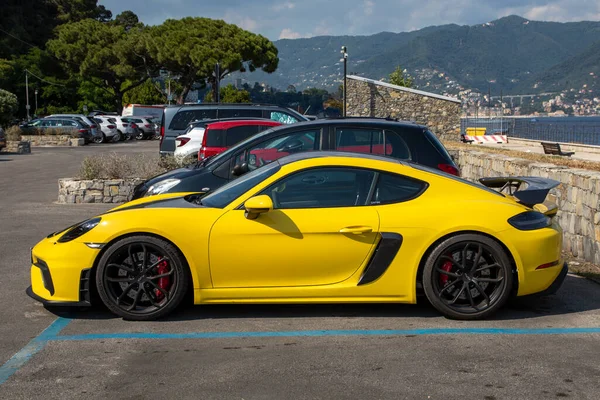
[{"x": 504, "y": 54}]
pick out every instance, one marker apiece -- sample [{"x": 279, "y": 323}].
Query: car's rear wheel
[
  {"x": 118, "y": 137},
  {"x": 142, "y": 278},
  {"x": 99, "y": 139},
  {"x": 467, "y": 277},
  {"x": 140, "y": 135}
]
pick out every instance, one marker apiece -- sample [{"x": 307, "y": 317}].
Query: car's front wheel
[
  {"x": 142, "y": 278},
  {"x": 467, "y": 277}
]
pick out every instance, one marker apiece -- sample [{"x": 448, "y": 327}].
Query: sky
[{"x": 291, "y": 19}]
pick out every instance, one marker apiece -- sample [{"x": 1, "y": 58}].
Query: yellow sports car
[{"x": 317, "y": 227}]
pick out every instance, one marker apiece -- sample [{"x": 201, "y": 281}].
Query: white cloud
[
  {"x": 242, "y": 21},
  {"x": 368, "y": 7},
  {"x": 289, "y": 34},
  {"x": 283, "y": 6}
]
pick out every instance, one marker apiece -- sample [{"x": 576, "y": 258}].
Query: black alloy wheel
[
  {"x": 140, "y": 135},
  {"x": 468, "y": 277},
  {"x": 142, "y": 278}
]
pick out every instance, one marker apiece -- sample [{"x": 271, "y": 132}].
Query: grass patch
[
  {"x": 125, "y": 166},
  {"x": 536, "y": 157}
]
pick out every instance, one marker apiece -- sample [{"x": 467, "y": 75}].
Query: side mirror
[
  {"x": 239, "y": 170},
  {"x": 258, "y": 205}
]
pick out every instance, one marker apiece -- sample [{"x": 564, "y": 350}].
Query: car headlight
[
  {"x": 162, "y": 187},
  {"x": 79, "y": 230},
  {"x": 530, "y": 220}
]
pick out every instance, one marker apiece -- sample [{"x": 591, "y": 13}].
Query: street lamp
[
  {"x": 345, "y": 60},
  {"x": 36, "y": 106}
]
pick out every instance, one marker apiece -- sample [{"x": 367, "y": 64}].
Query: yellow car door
[{"x": 319, "y": 232}]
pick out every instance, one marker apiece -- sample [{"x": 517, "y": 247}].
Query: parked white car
[
  {"x": 93, "y": 125},
  {"x": 188, "y": 144},
  {"x": 124, "y": 129},
  {"x": 108, "y": 129}
]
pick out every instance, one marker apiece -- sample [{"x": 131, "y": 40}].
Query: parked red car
[{"x": 218, "y": 136}]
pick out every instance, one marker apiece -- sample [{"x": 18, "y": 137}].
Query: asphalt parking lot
[{"x": 549, "y": 348}]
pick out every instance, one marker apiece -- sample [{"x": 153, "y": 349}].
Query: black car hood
[{"x": 179, "y": 173}]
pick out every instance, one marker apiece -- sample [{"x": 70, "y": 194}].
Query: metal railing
[{"x": 583, "y": 130}]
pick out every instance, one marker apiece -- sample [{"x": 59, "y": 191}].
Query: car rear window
[
  {"x": 229, "y": 137},
  {"x": 181, "y": 120}
]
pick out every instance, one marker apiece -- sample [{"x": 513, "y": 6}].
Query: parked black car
[
  {"x": 401, "y": 140},
  {"x": 176, "y": 119},
  {"x": 70, "y": 126}
]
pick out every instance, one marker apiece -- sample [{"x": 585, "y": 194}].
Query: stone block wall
[
  {"x": 52, "y": 140},
  {"x": 15, "y": 146},
  {"x": 73, "y": 191},
  {"x": 578, "y": 196},
  {"x": 368, "y": 98}
]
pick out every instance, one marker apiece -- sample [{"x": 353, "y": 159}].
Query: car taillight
[
  {"x": 451, "y": 169},
  {"x": 111, "y": 126},
  {"x": 202, "y": 151},
  {"x": 182, "y": 141},
  {"x": 148, "y": 126},
  {"x": 201, "y": 154},
  {"x": 82, "y": 130},
  {"x": 133, "y": 125},
  {"x": 125, "y": 125},
  {"x": 93, "y": 126},
  {"x": 162, "y": 134}
]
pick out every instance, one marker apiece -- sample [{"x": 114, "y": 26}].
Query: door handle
[{"x": 357, "y": 230}]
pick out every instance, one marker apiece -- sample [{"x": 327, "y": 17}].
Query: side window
[
  {"x": 356, "y": 140},
  {"x": 239, "y": 112},
  {"x": 282, "y": 117},
  {"x": 181, "y": 120},
  {"x": 281, "y": 146},
  {"x": 395, "y": 189},
  {"x": 49, "y": 123},
  {"x": 397, "y": 146},
  {"x": 322, "y": 188}
]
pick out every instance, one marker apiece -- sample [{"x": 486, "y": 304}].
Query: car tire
[
  {"x": 468, "y": 277},
  {"x": 127, "y": 281},
  {"x": 118, "y": 137},
  {"x": 99, "y": 139},
  {"x": 140, "y": 135}
]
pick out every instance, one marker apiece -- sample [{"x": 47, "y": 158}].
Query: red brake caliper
[
  {"x": 163, "y": 283},
  {"x": 447, "y": 266}
]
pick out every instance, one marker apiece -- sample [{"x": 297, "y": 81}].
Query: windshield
[{"x": 234, "y": 189}]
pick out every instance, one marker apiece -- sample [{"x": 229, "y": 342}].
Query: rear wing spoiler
[{"x": 528, "y": 190}]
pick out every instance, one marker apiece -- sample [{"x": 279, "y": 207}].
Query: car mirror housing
[
  {"x": 240, "y": 169},
  {"x": 258, "y": 205}
]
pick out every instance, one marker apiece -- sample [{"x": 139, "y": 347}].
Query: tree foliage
[
  {"x": 127, "y": 19},
  {"x": 190, "y": 47},
  {"x": 229, "y": 94},
  {"x": 146, "y": 93},
  {"x": 8, "y": 106},
  {"x": 104, "y": 52},
  {"x": 399, "y": 79}
]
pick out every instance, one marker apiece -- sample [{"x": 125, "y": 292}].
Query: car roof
[
  {"x": 364, "y": 121},
  {"x": 248, "y": 122}
]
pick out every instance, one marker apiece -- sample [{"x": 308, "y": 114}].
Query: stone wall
[
  {"x": 368, "y": 98},
  {"x": 578, "y": 196},
  {"x": 73, "y": 191},
  {"x": 19, "y": 147},
  {"x": 53, "y": 140}
]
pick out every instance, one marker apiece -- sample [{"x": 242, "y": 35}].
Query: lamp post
[
  {"x": 345, "y": 60},
  {"x": 27, "y": 106},
  {"x": 36, "y": 104}
]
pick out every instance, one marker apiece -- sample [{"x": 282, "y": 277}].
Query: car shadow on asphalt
[{"x": 576, "y": 295}]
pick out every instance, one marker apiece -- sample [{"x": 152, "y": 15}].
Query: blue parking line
[
  {"x": 320, "y": 333},
  {"x": 34, "y": 346}
]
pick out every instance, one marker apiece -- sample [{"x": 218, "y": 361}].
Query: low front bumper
[{"x": 61, "y": 272}]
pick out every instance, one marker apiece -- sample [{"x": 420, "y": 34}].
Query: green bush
[
  {"x": 8, "y": 106},
  {"x": 125, "y": 166}
]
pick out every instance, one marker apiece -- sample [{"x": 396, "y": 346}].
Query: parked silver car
[
  {"x": 93, "y": 125},
  {"x": 108, "y": 127}
]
